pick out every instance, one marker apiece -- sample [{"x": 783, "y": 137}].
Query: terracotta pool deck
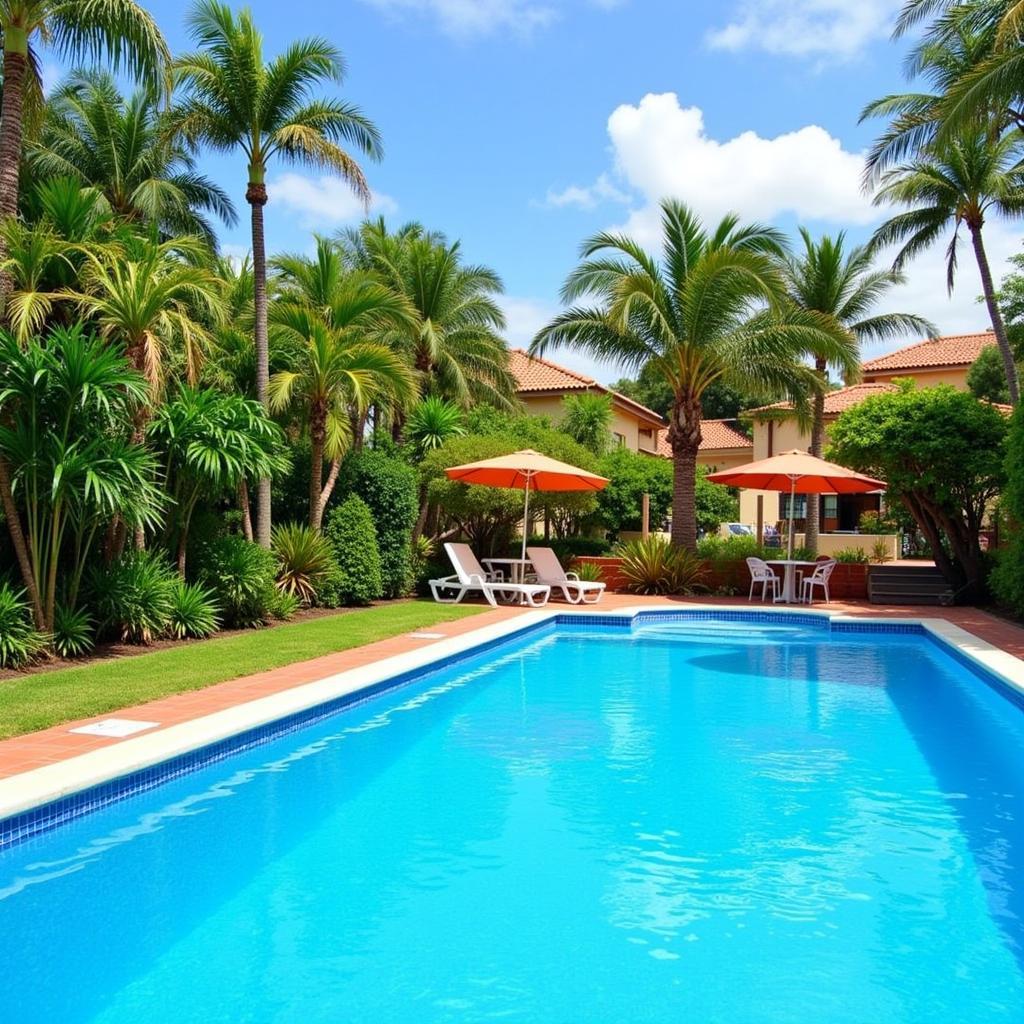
[{"x": 49, "y": 746}]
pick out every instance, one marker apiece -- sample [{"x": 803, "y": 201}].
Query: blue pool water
[{"x": 709, "y": 822}]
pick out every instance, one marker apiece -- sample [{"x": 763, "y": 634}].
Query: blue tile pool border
[{"x": 30, "y": 823}]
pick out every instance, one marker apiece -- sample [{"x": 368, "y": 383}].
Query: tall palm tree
[
  {"x": 337, "y": 370},
  {"x": 713, "y": 308},
  {"x": 944, "y": 188},
  {"x": 121, "y": 30},
  {"x": 93, "y": 134},
  {"x": 455, "y": 345},
  {"x": 828, "y": 278},
  {"x": 235, "y": 99}
]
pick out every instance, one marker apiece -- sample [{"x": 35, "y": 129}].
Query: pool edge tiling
[{"x": 38, "y": 800}]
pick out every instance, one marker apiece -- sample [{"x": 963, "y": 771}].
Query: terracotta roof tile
[
  {"x": 540, "y": 376},
  {"x": 715, "y": 435},
  {"x": 836, "y": 401},
  {"x": 954, "y": 350}
]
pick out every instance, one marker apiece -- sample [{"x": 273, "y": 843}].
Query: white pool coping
[{"x": 31, "y": 789}]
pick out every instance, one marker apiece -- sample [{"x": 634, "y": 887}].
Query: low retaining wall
[{"x": 849, "y": 579}]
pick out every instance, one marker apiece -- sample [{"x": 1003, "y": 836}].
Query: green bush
[
  {"x": 240, "y": 577},
  {"x": 282, "y": 605},
  {"x": 389, "y": 487},
  {"x": 20, "y": 642},
  {"x": 353, "y": 538},
  {"x": 73, "y": 633},
  {"x": 134, "y": 596},
  {"x": 194, "y": 612},
  {"x": 655, "y": 566},
  {"x": 589, "y": 572},
  {"x": 734, "y": 549},
  {"x": 631, "y": 475},
  {"x": 852, "y": 555},
  {"x": 304, "y": 561}
]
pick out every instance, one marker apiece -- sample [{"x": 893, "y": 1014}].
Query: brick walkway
[{"x": 23, "y": 753}]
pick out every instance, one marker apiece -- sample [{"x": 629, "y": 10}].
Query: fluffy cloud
[
  {"x": 323, "y": 202},
  {"x": 602, "y": 191},
  {"x": 662, "y": 149},
  {"x": 464, "y": 18},
  {"x": 806, "y": 28}
]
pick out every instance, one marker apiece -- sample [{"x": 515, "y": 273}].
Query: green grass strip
[{"x": 42, "y": 699}]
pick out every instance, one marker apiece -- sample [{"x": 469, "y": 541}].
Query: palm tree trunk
[
  {"x": 256, "y": 196},
  {"x": 15, "y": 70},
  {"x": 316, "y": 473},
  {"x": 243, "y": 504},
  {"x": 812, "y": 522},
  {"x": 685, "y": 438},
  {"x": 20, "y": 547},
  {"x": 998, "y": 327}
]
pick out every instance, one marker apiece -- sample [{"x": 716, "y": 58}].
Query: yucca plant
[
  {"x": 194, "y": 611},
  {"x": 20, "y": 642},
  {"x": 655, "y": 566},
  {"x": 241, "y": 576},
  {"x": 73, "y": 631},
  {"x": 282, "y": 605},
  {"x": 588, "y": 572},
  {"x": 304, "y": 559},
  {"x": 134, "y": 596}
]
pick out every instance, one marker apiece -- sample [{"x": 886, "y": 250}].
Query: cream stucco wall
[
  {"x": 957, "y": 376},
  {"x": 723, "y": 458},
  {"x": 628, "y": 427}
]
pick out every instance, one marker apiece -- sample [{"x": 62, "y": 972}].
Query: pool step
[{"x": 907, "y": 584}]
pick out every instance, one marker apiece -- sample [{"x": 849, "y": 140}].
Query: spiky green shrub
[
  {"x": 194, "y": 612},
  {"x": 654, "y": 566},
  {"x": 589, "y": 572},
  {"x": 351, "y": 534},
  {"x": 240, "y": 576},
  {"x": 73, "y": 631},
  {"x": 304, "y": 560},
  {"x": 282, "y": 605},
  {"x": 20, "y": 642},
  {"x": 133, "y": 597},
  {"x": 389, "y": 487}
]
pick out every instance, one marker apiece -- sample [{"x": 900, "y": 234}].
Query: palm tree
[
  {"x": 121, "y": 30},
  {"x": 455, "y": 345},
  {"x": 234, "y": 99},
  {"x": 149, "y": 296},
  {"x": 337, "y": 370},
  {"x": 945, "y": 187},
  {"x": 828, "y": 279},
  {"x": 714, "y": 308},
  {"x": 93, "y": 134}
]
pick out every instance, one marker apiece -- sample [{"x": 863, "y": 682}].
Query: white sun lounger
[
  {"x": 549, "y": 570},
  {"x": 469, "y": 575}
]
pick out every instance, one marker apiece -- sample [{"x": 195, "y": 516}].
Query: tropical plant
[
  {"x": 654, "y": 565},
  {"x": 304, "y": 559},
  {"x": 388, "y": 487},
  {"x": 961, "y": 184},
  {"x": 455, "y": 342},
  {"x": 587, "y": 572},
  {"x": 240, "y": 576},
  {"x": 233, "y": 99},
  {"x": 587, "y": 419},
  {"x": 209, "y": 444},
  {"x": 353, "y": 538},
  {"x": 827, "y": 278},
  {"x": 193, "y": 613},
  {"x": 121, "y": 30},
  {"x": 432, "y": 422},
  {"x": 852, "y": 556},
  {"x": 73, "y": 631},
  {"x": 91, "y": 133},
  {"x": 66, "y": 407},
  {"x": 986, "y": 379},
  {"x": 714, "y": 308},
  {"x": 20, "y": 642},
  {"x": 631, "y": 475},
  {"x": 133, "y": 597},
  {"x": 282, "y": 605}
]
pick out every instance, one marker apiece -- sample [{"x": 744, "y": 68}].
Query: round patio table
[
  {"x": 790, "y": 565},
  {"x": 517, "y": 567}
]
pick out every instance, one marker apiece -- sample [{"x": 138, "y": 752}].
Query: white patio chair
[
  {"x": 549, "y": 571},
  {"x": 470, "y": 575},
  {"x": 761, "y": 572},
  {"x": 818, "y": 578}
]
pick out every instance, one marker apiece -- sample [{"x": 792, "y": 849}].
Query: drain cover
[
  {"x": 115, "y": 727},
  {"x": 427, "y": 636}
]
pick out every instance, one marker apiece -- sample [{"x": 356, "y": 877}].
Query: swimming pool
[{"x": 717, "y": 821}]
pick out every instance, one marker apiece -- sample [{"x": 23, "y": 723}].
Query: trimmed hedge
[{"x": 350, "y": 532}]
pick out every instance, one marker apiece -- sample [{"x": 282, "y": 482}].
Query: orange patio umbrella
[
  {"x": 527, "y": 471},
  {"x": 798, "y": 472}
]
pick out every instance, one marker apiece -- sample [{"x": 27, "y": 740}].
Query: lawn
[{"x": 42, "y": 699}]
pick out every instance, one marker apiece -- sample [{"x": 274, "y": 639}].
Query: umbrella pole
[
  {"x": 526, "y": 518},
  {"x": 792, "y": 498}
]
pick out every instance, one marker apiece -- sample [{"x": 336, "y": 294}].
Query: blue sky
[{"x": 521, "y": 126}]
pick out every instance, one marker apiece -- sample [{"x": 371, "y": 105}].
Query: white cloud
[
  {"x": 602, "y": 191},
  {"x": 806, "y": 28},
  {"x": 324, "y": 202},
  {"x": 465, "y": 18}
]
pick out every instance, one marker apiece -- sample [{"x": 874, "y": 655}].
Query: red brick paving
[{"x": 23, "y": 753}]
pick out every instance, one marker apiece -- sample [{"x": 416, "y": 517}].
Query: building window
[
  {"x": 620, "y": 440},
  {"x": 830, "y": 506},
  {"x": 799, "y": 506}
]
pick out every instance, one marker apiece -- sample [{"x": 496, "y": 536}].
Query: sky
[{"x": 520, "y": 127}]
